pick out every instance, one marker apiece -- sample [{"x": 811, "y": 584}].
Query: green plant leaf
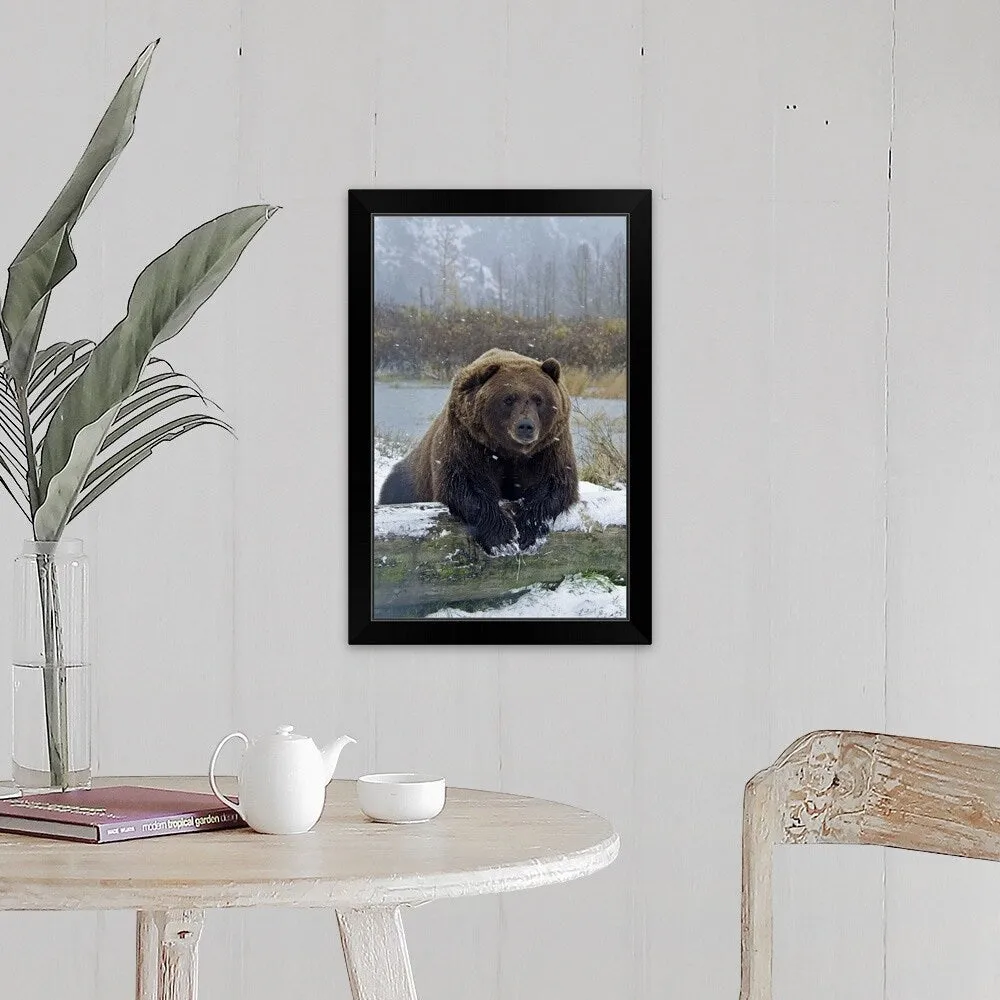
[
  {"x": 13, "y": 462},
  {"x": 170, "y": 373},
  {"x": 49, "y": 383},
  {"x": 59, "y": 381},
  {"x": 120, "y": 428},
  {"x": 11, "y": 483},
  {"x": 166, "y": 295},
  {"x": 136, "y": 452},
  {"x": 43, "y": 356},
  {"x": 54, "y": 370},
  {"x": 173, "y": 382},
  {"x": 13, "y": 465},
  {"x": 64, "y": 486},
  {"x": 12, "y": 431},
  {"x": 51, "y": 358},
  {"x": 10, "y": 418},
  {"x": 48, "y": 255}
]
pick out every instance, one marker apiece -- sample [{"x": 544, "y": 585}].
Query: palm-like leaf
[
  {"x": 165, "y": 296},
  {"x": 44, "y": 362},
  {"x": 51, "y": 358},
  {"x": 126, "y": 459},
  {"x": 50, "y": 381},
  {"x": 13, "y": 466},
  {"x": 146, "y": 407},
  {"x": 134, "y": 433},
  {"x": 48, "y": 255},
  {"x": 10, "y": 419}
]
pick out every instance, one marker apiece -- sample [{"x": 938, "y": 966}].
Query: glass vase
[{"x": 51, "y": 667}]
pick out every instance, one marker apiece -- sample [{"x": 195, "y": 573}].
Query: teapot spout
[{"x": 331, "y": 754}]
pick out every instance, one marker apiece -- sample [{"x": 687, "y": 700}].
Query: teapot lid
[{"x": 286, "y": 733}]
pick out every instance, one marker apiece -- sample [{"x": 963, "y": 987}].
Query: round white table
[{"x": 483, "y": 842}]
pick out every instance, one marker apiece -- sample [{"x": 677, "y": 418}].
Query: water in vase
[{"x": 30, "y": 749}]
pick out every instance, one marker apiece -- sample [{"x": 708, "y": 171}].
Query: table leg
[
  {"x": 167, "y": 954},
  {"x": 378, "y": 965},
  {"x": 147, "y": 955}
]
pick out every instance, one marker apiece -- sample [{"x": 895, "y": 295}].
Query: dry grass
[
  {"x": 579, "y": 381},
  {"x": 392, "y": 443},
  {"x": 598, "y": 442},
  {"x": 411, "y": 341},
  {"x": 598, "y": 385}
]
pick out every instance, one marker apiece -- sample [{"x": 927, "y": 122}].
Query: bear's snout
[{"x": 526, "y": 431}]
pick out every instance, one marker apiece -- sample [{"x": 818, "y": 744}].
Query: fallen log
[{"x": 423, "y": 559}]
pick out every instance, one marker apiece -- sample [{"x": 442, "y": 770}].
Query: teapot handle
[{"x": 211, "y": 775}]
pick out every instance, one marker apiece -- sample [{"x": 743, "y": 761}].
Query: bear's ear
[
  {"x": 551, "y": 368},
  {"x": 476, "y": 378}
]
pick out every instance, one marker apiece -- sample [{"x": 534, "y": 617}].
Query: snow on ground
[
  {"x": 575, "y": 597},
  {"x": 598, "y": 506},
  {"x": 384, "y": 461},
  {"x": 408, "y": 520}
]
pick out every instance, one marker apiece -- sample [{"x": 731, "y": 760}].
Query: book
[{"x": 115, "y": 813}]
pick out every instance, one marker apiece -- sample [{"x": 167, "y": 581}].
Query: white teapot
[{"x": 282, "y": 780}]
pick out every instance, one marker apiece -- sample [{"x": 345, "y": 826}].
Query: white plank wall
[
  {"x": 944, "y": 535},
  {"x": 826, "y": 449}
]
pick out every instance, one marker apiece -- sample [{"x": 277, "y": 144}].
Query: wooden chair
[{"x": 861, "y": 788}]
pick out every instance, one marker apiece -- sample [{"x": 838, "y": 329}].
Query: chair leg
[
  {"x": 378, "y": 964},
  {"x": 166, "y": 966}
]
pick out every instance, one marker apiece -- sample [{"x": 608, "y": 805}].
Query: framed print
[{"x": 499, "y": 416}]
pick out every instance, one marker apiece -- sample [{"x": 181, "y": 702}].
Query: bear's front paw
[
  {"x": 499, "y": 537},
  {"x": 531, "y": 531}
]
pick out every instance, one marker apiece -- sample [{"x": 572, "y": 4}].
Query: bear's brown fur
[{"x": 499, "y": 455}]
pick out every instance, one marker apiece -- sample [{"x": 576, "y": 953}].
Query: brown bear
[{"x": 499, "y": 455}]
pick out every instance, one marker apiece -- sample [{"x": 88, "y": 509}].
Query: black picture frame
[{"x": 364, "y": 205}]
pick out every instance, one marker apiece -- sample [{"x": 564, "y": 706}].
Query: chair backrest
[{"x": 835, "y": 787}]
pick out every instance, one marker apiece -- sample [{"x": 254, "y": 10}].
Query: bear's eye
[
  {"x": 509, "y": 400},
  {"x": 537, "y": 400}
]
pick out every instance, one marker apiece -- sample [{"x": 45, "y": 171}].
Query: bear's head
[{"x": 511, "y": 402}]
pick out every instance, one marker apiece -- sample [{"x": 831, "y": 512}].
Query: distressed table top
[{"x": 482, "y": 842}]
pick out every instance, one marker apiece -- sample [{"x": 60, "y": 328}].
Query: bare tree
[
  {"x": 521, "y": 290},
  {"x": 534, "y": 281},
  {"x": 481, "y": 289},
  {"x": 598, "y": 280},
  {"x": 549, "y": 280},
  {"x": 449, "y": 283},
  {"x": 498, "y": 268},
  {"x": 516, "y": 289},
  {"x": 581, "y": 265},
  {"x": 617, "y": 276}
]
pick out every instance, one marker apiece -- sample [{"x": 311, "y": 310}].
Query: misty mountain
[{"x": 528, "y": 265}]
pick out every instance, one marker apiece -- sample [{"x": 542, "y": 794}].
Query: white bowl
[{"x": 401, "y": 798}]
